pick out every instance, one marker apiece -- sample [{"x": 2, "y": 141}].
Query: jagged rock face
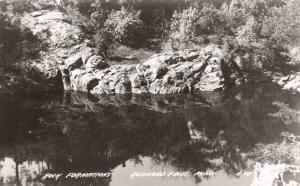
[
  {"x": 63, "y": 49},
  {"x": 65, "y": 53},
  {"x": 68, "y": 54},
  {"x": 52, "y": 26},
  {"x": 177, "y": 72}
]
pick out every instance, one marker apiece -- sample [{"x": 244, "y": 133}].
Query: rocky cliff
[
  {"x": 67, "y": 58},
  {"x": 178, "y": 72},
  {"x": 70, "y": 55}
]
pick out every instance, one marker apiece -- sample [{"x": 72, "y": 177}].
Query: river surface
[{"x": 243, "y": 137}]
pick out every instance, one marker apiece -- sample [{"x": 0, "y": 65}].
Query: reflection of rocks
[
  {"x": 158, "y": 103},
  {"x": 189, "y": 132}
]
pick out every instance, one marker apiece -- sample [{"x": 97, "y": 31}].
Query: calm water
[{"x": 204, "y": 139}]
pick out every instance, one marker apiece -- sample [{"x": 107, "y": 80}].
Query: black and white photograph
[{"x": 149, "y": 92}]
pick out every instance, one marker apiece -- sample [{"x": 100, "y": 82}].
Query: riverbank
[{"x": 64, "y": 58}]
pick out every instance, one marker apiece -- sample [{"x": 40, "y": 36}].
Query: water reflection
[
  {"x": 21, "y": 174},
  {"x": 75, "y": 132}
]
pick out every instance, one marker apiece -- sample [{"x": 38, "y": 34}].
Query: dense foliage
[
  {"x": 255, "y": 32},
  {"x": 11, "y": 33}
]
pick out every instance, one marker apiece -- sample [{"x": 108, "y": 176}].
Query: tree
[
  {"x": 103, "y": 42},
  {"x": 283, "y": 25},
  {"x": 197, "y": 25},
  {"x": 124, "y": 25}
]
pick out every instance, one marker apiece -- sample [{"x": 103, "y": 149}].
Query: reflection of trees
[
  {"x": 88, "y": 134},
  {"x": 285, "y": 170}
]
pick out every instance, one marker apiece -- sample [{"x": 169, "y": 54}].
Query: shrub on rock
[{"x": 96, "y": 62}]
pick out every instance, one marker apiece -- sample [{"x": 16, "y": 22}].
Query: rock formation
[
  {"x": 177, "y": 72},
  {"x": 68, "y": 59}
]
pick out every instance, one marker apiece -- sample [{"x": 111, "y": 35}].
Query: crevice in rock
[
  {"x": 227, "y": 72},
  {"x": 65, "y": 79},
  {"x": 59, "y": 81},
  {"x": 92, "y": 84}
]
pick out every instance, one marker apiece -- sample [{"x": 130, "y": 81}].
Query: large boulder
[
  {"x": 61, "y": 51},
  {"x": 114, "y": 80},
  {"x": 68, "y": 55},
  {"x": 176, "y": 72},
  {"x": 73, "y": 62},
  {"x": 96, "y": 62},
  {"x": 51, "y": 25}
]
